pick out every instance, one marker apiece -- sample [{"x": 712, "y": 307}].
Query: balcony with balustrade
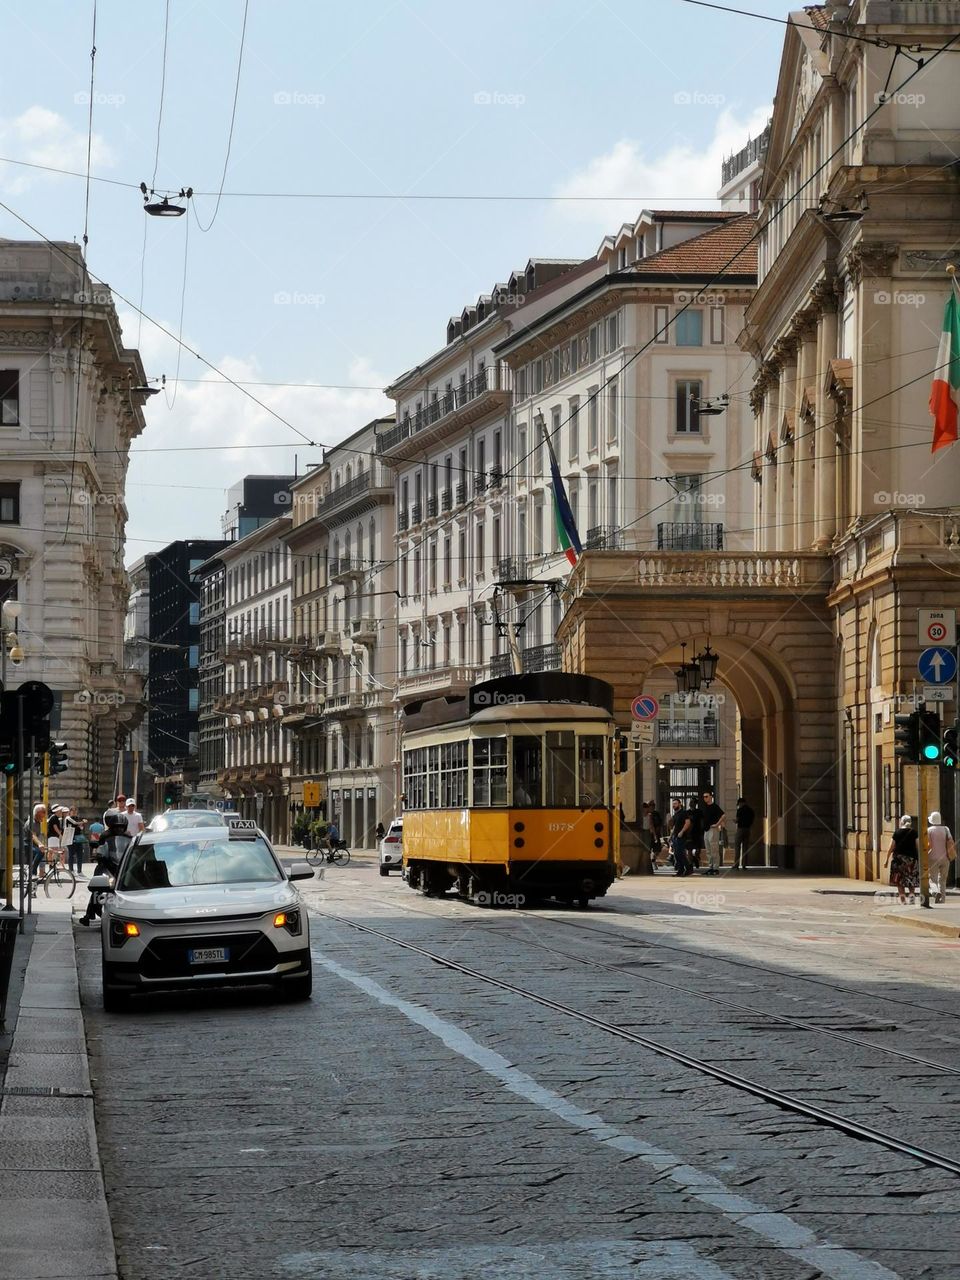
[
  {"x": 443, "y": 680},
  {"x": 358, "y": 494},
  {"x": 364, "y": 630},
  {"x": 488, "y": 392},
  {"x": 688, "y": 733},
  {"x": 345, "y": 568},
  {"x": 717, "y": 573}
]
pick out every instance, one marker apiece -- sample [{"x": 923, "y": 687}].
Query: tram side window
[
  {"x": 415, "y": 778},
  {"x": 561, "y": 769},
  {"x": 453, "y": 775},
  {"x": 489, "y": 771},
  {"x": 591, "y": 770},
  {"x": 433, "y": 777},
  {"x": 527, "y": 772}
]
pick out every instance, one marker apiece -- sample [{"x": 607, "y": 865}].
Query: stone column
[
  {"x": 751, "y": 770},
  {"x": 825, "y": 503},
  {"x": 804, "y": 452}
]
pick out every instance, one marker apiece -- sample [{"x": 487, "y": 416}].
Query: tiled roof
[
  {"x": 706, "y": 254},
  {"x": 696, "y": 215},
  {"x": 817, "y": 13}
]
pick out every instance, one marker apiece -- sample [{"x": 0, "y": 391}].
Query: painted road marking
[{"x": 778, "y": 1229}]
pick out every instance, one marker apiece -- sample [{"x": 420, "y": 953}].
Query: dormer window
[{"x": 481, "y": 312}]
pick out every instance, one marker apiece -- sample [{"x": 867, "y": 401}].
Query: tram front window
[
  {"x": 561, "y": 769},
  {"x": 527, "y": 772},
  {"x": 591, "y": 770}
]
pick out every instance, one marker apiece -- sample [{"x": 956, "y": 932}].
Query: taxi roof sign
[{"x": 242, "y": 828}]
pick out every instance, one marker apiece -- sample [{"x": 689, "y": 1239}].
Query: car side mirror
[
  {"x": 300, "y": 871},
  {"x": 101, "y": 884}
]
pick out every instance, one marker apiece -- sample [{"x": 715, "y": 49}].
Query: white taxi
[{"x": 203, "y": 907}]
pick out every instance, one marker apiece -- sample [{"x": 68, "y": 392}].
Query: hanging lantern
[{"x": 708, "y": 664}]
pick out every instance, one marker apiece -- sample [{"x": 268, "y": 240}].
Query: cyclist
[{"x": 333, "y": 838}]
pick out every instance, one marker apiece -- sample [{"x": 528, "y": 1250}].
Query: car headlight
[
  {"x": 121, "y": 930},
  {"x": 289, "y": 920}
]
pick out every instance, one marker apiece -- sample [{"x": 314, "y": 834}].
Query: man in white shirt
[{"x": 135, "y": 823}]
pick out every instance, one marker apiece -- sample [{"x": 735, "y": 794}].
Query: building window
[
  {"x": 193, "y": 659},
  {"x": 538, "y": 544},
  {"x": 716, "y": 325},
  {"x": 10, "y": 502},
  {"x": 613, "y": 410},
  {"x": 613, "y": 514},
  {"x": 462, "y": 552},
  {"x": 688, "y": 329},
  {"x": 193, "y": 699},
  {"x": 592, "y": 419},
  {"x": 447, "y": 562},
  {"x": 687, "y": 507},
  {"x": 613, "y": 331},
  {"x": 194, "y": 613},
  {"x": 9, "y": 397},
  {"x": 573, "y": 436},
  {"x": 522, "y": 452},
  {"x": 432, "y": 560},
  {"x": 480, "y": 548},
  {"x": 661, "y": 324},
  {"x": 556, "y": 418},
  {"x": 593, "y": 503},
  {"x": 689, "y": 393}
]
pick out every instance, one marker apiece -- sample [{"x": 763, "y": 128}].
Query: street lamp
[
  {"x": 708, "y": 661},
  {"x": 681, "y": 672}
]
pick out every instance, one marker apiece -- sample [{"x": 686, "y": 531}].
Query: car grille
[{"x": 167, "y": 957}]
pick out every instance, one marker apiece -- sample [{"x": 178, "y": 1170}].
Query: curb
[{"x": 947, "y": 928}]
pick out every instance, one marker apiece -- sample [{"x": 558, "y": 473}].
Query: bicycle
[
  {"x": 60, "y": 877},
  {"x": 340, "y": 855}
]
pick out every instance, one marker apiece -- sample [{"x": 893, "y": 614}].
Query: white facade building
[{"x": 257, "y": 676}]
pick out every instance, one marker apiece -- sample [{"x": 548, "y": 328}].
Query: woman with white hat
[
  {"x": 904, "y": 869},
  {"x": 941, "y": 849}
]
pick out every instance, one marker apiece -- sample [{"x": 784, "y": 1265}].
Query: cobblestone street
[{"x": 415, "y": 1120}]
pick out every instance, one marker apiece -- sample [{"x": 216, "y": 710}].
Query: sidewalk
[{"x": 53, "y": 1211}]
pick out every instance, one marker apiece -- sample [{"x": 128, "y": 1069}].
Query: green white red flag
[{"x": 945, "y": 392}]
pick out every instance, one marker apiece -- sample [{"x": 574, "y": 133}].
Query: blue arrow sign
[{"x": 937, "y": 665}]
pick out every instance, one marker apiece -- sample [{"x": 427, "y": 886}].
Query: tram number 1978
[{"x": 559, "y": 826}]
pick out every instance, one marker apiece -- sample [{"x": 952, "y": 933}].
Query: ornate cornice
[
  {"x": 865, "y": 261},
  {"x": 35, "y": 339},
  {"x": 823, "y": 297}
]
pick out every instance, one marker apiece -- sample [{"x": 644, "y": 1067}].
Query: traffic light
[
  {"x": 951, "y": 746},
  {"x": 172, "y": 793},
  {"x": 931, "y": 747},
  {"x": 58, "y": 758},
  {"x": 906, "y": 737}
]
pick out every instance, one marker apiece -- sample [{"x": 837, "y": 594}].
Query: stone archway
[{"x": 777, "y": 660}]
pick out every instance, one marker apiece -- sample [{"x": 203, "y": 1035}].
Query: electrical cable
[{"x": 233, "y": 118}]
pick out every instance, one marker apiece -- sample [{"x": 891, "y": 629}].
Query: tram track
[{"x": 776, "y": 1097}]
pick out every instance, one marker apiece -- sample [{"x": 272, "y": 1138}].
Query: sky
[{"x": 329, "y": 266}]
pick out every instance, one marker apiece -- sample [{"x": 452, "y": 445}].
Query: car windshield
[{"x": 173, "y": 864}]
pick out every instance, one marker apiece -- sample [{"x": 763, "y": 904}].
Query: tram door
[{"x": 684, "y": 781}]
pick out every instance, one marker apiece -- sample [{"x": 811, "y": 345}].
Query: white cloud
[
  {"x": 43, "y": 137},
  {"x": 180, "y": 494},
  {"x": 632, "y": 168}
]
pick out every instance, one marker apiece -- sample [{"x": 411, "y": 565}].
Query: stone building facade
[{"x": 70, "y": 406}]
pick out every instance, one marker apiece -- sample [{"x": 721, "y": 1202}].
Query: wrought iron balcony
[
  {"x": 479, "y": 482},
  {"x": 432, "y": 506},
  {"x": 446, "y": 500},
  {"x": 513, "y": 569},
  {"x": 495, "y": 379},
  {"x": 416, "y": 513},
  {"x": 602, "y": 538},
  {"x": 541, "y": 657},
  {"x": 461, "y": 493},
  {"x": 346, "y": 567},
  {"x": 501, "y": 664},
  {"x": 690, "y": 537},
  {"x": 403, "y": 520},
  {"x": 688, "y": 733}
]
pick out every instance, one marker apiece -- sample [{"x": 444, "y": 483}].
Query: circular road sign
[
  {"x": 645, "y": 707},
  {"x": 936, "y": 632}
]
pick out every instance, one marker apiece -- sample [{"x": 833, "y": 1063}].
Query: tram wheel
[{"x": 583, "y": 901}]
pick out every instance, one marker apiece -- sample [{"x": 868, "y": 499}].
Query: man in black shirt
[
  {"x": 679, "y": 827},
  {"x": 712, "y": 816},
  {"x": 694, "y": 833},
  {"x": 745, "y": 818}
]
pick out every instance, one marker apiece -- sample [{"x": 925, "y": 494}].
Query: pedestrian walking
[
  {"x": 679, "y": 829},
  {"x": 941, "y": 850},
  {"x": 744, "y": 819},
  {"x": 381, "y": 831},
  {"x": 712, "y": 816},
  {"x": 108, "y": 863},
  {"x": 905, "y": 853},
  {"x": 38, "y": 838},
  {"x": 653, "y": 823},
  {"x": 694, "y": 834},
  {"x": 55, "y": 834},
  {"x": 135, "y": 822},
  {"x": 75, "y": 838}
]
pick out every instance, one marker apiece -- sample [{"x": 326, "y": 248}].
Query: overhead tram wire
[
  {"x": 233, "y": 118},
  {"x": 714, "y": 279}
]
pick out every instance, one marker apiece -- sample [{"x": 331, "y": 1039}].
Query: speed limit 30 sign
[{"x": 937, "y": 626}]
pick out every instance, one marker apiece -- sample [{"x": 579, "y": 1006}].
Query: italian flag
[
  {"x": 567, "y": 535},
  {"x": 945, "y": 392}
]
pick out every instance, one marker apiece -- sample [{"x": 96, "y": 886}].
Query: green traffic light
[{"x": 931, "y": 751}]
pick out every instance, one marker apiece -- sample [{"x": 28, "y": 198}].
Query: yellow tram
[{"x": 510, "y": 793}]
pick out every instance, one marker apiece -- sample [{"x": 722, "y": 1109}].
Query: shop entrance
[{"x": 683, "y": 782}]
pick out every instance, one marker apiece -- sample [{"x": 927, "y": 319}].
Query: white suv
[{"x": 391, "y": 848}]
